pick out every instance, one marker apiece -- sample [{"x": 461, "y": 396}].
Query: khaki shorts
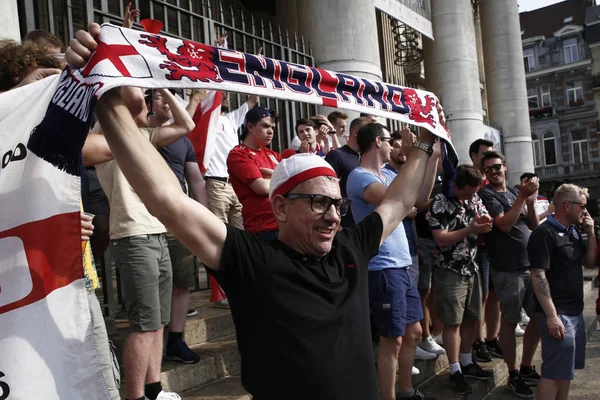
[
  {"x": 183, "y": 263},
  {"x": 223, "y": 202},
  {"x": 457, "y": 296},
  {"x": 146, "y": 279},
  {"x": 513, "y": 289}
]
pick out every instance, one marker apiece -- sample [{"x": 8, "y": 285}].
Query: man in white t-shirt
[{"x": 222, "y": 200}]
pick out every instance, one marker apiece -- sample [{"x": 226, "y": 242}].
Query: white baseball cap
[{"x": 298, "y": 168}]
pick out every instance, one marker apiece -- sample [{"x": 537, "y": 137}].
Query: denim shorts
[
  {"x": 394, "y": 301},
  {"x": 560, "y": 358}
]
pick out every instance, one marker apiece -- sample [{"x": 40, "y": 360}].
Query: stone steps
[{"x": 216, "y": 376}]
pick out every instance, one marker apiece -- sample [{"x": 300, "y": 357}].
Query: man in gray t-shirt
[{"x": 514, "y": 217}]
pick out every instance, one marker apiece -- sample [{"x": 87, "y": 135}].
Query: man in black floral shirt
[{"x": 455, "y": 222}]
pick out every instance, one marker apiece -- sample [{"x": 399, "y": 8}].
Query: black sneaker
[
  {"x": 531, "y": 379},
  {"x": 459, "y": 384},
  {"x": 494, "y": 348},
  {"x": 417, "y": 396},
  {"x": 480, "y": 352},
  {"x": 517, "y": 385},
  {"x": 181, "y": 352},
  {"x": 475, "y": 371}
]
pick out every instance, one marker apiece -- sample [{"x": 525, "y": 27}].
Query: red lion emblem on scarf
[
  {"x": 419, "y": 112},
  {"x": 193, "y": 60}
]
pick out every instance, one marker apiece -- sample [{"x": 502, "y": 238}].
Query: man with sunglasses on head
[
  {"x": 514, "y": 217},
  {"x": 557, "y": 251},
  {"x": 393, "y": 296}
]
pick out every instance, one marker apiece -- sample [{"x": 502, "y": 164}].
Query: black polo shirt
[
  {"x": 302, "y": 324},
  {"x": 343, "y": 161},
  {"x": 561, "y": 252},
  {"x": 507, "y": 251}
]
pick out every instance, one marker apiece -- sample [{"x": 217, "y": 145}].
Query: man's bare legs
[
  {"x": 406, "y": 359},
  {"x": 531, "y": 340},
  {"x": 492, "y": 316},
  {"x": 426, "y": 321},
  {"x": 509, "y": 344},
  {"x": 180, "y": 301},
  {"x": 554, "y": 389},
  {"x": 451, "y": 336},
  {"x": 389, "y": 349},
  {"x": 154, "y": 363},
  {"x": 136, "y": 360}
]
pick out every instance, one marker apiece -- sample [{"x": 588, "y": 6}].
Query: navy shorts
[
  {"x": 560, "y": 358},
  {"x": 394, "y": 301}
]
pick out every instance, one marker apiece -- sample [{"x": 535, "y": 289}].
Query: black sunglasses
[
  {"x": 582, "y": 205},
  {"x": 495, "y": 168},
  {"x": 320, "y": 204}
]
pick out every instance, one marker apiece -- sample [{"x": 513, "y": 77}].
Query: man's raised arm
[
  {"x": 182, "y": 122},
  {"x": 402, "y": 194},
  {"x": 154, "y": 182}
]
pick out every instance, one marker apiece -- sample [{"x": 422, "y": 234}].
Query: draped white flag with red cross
[{"x": 46, "y": 348}]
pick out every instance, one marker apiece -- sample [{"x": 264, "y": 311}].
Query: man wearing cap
[
  {"x": 250, "y": 167},
  {"x": 299, "y": 303},
  {"x": 393, "y": 296}
]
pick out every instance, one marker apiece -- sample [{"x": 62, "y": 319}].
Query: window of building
[
  {"x": 543, "y": 59},
  {"x": 579, "y": 146},
  {"x": 528, "y": 60},
  {"x": 549, "y": 143},
  {"x": 532, "y": 97},
  {"x": 571, "y": 54},
  {"x": 545, "y": 95},
  {"x": 574, "y": 93},
  {"x": 536, "y": 150}
]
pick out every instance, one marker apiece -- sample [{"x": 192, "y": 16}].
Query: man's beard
[{"x": 224, "y": 109}]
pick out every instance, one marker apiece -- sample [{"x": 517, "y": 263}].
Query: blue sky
[{"x": 528, "y": 5}]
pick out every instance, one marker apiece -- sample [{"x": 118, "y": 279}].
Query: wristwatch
[{"x": 427, "y": 148}]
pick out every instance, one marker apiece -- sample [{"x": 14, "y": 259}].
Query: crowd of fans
[{"x": 456, "y": 265}]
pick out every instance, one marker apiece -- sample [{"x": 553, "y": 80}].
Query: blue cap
[{"x": 254, "y": 115}]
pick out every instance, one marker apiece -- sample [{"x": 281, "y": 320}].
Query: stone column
[
  {"x": 342, "y": 33},
  {"x": 9, "y": 20},
  {"x": 506, "y": 86},
  {"x": 452, "y": 71}
]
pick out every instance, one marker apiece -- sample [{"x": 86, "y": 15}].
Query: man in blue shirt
[{"x": 393, "y": 296}]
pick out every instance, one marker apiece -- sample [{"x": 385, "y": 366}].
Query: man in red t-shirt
[{"x": 250, "y": 167}]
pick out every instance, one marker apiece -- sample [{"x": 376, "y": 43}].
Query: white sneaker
[
  {"x": 415, "y": 371},
  {"x": 168, "y": 396},
  {"x": 439, "y": 339},
  {"x": 430, "y": 346},
  {"x": 424, "y": 355},
  {"x": 222, "y": 304},
  {"x": 524, "y": 318},
  {"x": 519, "y": 331}
]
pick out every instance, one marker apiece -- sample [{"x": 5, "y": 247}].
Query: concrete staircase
[{"x": 216, "y": 377}]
